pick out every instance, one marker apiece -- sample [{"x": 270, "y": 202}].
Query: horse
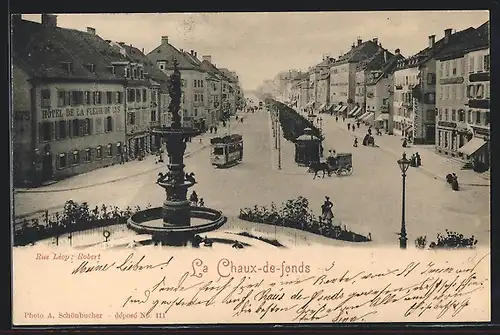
[{"x": 320, "y": 166}]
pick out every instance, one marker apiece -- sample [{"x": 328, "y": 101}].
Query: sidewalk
[
  {"x": 130, "y": 169},
  {"x": 432, "y": 163}
]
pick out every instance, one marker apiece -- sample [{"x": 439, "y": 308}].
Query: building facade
[{"x": 68, "y": 120}]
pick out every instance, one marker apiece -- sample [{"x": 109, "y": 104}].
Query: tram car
[{"x": 226, "y": 150}]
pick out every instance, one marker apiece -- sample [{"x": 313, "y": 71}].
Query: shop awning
[
  {"x": 362, "y": 116},
  {"x": 409, "y": 128},
  {"x": 353, "y": 111},
  {"x": 322, "y": 106},
  {"x": 382, "y": 117},
  {"x": 358, "y": 112},
  {"x": 337, "y": 108},
  {"x": 329, "y": 107},
  {"x": 310, "y": 103},
  {"x": 343, "y": 108},
  {"x": 472, "y": 146},
  {"x": 368, "y": 117}
]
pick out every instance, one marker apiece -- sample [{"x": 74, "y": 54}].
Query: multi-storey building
[
  {"x": 415, "y": 85},
  {"x": 322, "y": 86},
  {"x": 343, "y": 75},
  {"x": 304, "y": 92},
  {"x": 368, "y": 68},
  {"x": 68, "y": 103},
  {"x": 192, "y": 76},
  {"x": 215, "y": 81},
  {"x": 378, "y": 85},
  {"x": 463, "y": 99}
]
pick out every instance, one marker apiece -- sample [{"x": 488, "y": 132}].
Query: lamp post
[
  {"x": 278, "y": 138},
  {"x": 404, "y": 164}
]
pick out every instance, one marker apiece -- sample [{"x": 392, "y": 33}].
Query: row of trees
[
  {"x": 295, "y": 213},
  {"x": 292, "y": 123}
]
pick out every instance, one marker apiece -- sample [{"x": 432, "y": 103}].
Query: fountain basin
[{"x": 150, "y": 221}]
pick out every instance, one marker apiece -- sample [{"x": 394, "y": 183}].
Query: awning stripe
[{"x": 472, "y": 146}]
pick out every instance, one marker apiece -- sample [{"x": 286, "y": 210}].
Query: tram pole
[{"x": 278, "y": 138}]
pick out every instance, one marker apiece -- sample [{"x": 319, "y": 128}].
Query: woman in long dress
[{"x": 326, "y": 209}]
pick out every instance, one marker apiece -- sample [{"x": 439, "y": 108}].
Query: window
[
  {"x": 446, "y": 114},
  {"x": 218, "y": 151},
  {"x": 195, "y": 82},
  {"x": 118, "y": 148},
  {"x": 440, "y": 91},
  {"x": 138, "y": 95},
  {"x": 201, "y": 82},
  {"x": 45, "y": 98},
  {"x": 109, "y": 150},
  {"x": 440, "y": 114},
  {"x": 127, "y": 72},
  {"x": 446, "y": 140},
  {"x": 440, "y": 134},
  {"x": 144, "y": 95},
  {"x": 195, "y": 97},
  {"x": 486, "y": 63},
  {"x": 75, "y": 128},
  {"x": 201, "y": 96},
  {"x": 153, "y": 116},
  {"x": 469, "y": 117},
  {"x": 98, "y": 152},
  {"x": 88, "y": 155},
  {"x": 431, "y": 79},
  {"x": 130, "y": 95},
  {"x": 446, "y": 92},
  {"x": 109, "y": 98},
  {"x": 478, "y": 117},
  {"x": 87, "y": 124},
  {"x": 447, "y": 68},
  {"x": 486, "y": 90},
  {"x": 453, "y": 115},
  {"x": 461, "y": 115},
  {"x": 454, "y": 67},
  {"x": 196, "y": 112},
  {"x": 63, "y": 161},
  {"x": 134, "y": 73},
  {"x": 109, "y": 124},
  {"x": 62, "y": 98},
  {"x": 479, "y": 91},
  {"x": 76, "y": 157},
  {"x": 86, "y": 98},
  {"x": 487, "y": 118},
  {"x": 46, "y": 131},
  {"x": 471, "y": 64},
  {"x": 119, "y": 97},
  {"x": 62, "y": 129},
  {"x": 453, "y": 92},
  {"x": 76, "y": 98},
  {"x": 131, "y": 118},
  {"x": 430, "y": 115},
  {"x": 97, "y": 98}
]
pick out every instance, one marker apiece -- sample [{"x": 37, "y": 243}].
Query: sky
[{"x": 259, "y": 45}]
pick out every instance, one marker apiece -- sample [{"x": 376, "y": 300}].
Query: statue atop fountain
[{"x": 176, "y": 212}]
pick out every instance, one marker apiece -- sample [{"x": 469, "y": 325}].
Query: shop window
[
  {"x": 46, "y": 131},
  {"x": 487, "y": 118},
  {"x": 45, "y": 98},
  {"x": 98, "y": 152},
  {"x": 118, "y": 148},
  {"x": 76, "y": 157},
  {"x": 62, "y": 129},
  {"x": 461, "y": 141},
  {"x": 478, "y": 117},
  {"x": 88, "y": 155},
  {"x": 109, "y": 124},
  {"x": 109, "y": 98},
  {"x": 440, "y": 133},
  {"x": 87, "y": 126},
  {"x": 62, "y": 161},
  {"x": 461, "y": 116},
  {"x": 453, "y": 115},
  {"x": 446, "y": 114},
  {"x": 440, "y": 115},
  {"x": 446, "y": 140},
  {"x": 109, "y": 150},
  {"x": 469, "y": 117}
]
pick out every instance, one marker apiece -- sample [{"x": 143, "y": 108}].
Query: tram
[{"x": 226, "y": 150}]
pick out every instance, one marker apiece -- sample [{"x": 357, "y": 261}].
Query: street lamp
[{"x": 404, "y": 164}]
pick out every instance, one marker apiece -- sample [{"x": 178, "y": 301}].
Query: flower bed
[
  {"x": 452, "y": 240},
  {"x": 297, "y": 214},
  {"x": 75, "y": 217}
]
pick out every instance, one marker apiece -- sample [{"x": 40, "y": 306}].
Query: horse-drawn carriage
[{"x": 340, "y": 165}]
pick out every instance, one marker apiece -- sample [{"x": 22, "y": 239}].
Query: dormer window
[
  {"x": 66, "y": 66},
  {"x": 90, "y": 67}
]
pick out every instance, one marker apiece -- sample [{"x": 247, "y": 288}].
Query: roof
[
  {"x": 212, "y": 69},
  {"x": 477, "y": 39},
  {"x": 167, "y": 52},
  {"x": 376, "y": 61},
  {"x": 358, "y": 53},
  {"x": 40, "y": 50},
  {"x": 228, "y": 75},
  {"x": 439, "y": 49},
  {"x": 387, "y": 68},
  {"x": 150, "y": 69}
]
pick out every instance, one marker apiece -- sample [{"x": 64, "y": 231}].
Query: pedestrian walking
[
  {"x": 336, "y": 119},
  {"x": 343, "y": 118},
  {"x": 348, "y": 126},
  {"x": 201, "y": 140},
  {"x": 358, "y": 123},
  {"x": 418, "y": 159},
  {"x": 326, "y": 210},
  {"x": 193, "y": 198},
  {"x": 355, "y": 144},
  {"x": 201, "y": 203}
]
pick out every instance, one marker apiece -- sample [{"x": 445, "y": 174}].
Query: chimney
[
  {"x": 432, "y": 40},
  {"x": 359, "y": 41},
  {"x": 164, "y": 40},
  {"x": 49, "y": 20},
  {"x": 353, "y": 46},
  {"x": 447, "y": 34},
  {"x": 397, "y": 51},
  {"x": 375, "y": 40},
  {"x": 195, "y": 54},
  {"x": 208, "y": 58},
  {"x": 121, "y": 43},
  {"x": 385, "y": 56},
  {"x": 142, "y": 50},
  {"x": 91, "y": 30},
  {"x": 192, "y": 52}
]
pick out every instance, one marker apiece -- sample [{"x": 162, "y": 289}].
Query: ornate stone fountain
[{"x": 176, "y": 222}]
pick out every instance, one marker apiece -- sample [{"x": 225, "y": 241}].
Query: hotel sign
[
  {"x": 76, "y": 112},
  {"x": 447, "y": 124},
  {"x": 448, "y": 81}
]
